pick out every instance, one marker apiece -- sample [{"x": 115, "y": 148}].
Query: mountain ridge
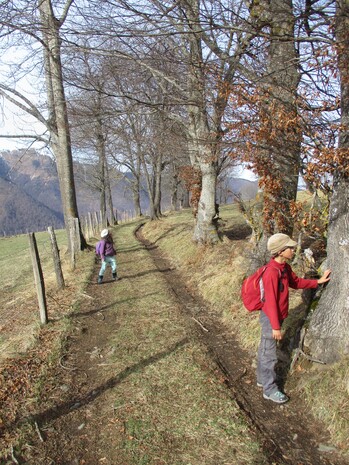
[{"x": 30, "y": 196}]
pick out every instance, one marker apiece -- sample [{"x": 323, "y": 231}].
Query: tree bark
[
  {"x": 328, "y": 334},
  {"x": 205, "y": 230},
  {"x": 174, "y": 188},
  {"x": 109, "y": 197},
  {"x": 278, "y": 161},
  {"x": 157, "y": 185},
  {"x": 101, "y": 171},
  {"x": 61, "y": 143},
  {"x": 201, "y": 154}
]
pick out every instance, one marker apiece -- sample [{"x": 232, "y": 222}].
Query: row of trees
[{"x": 193, "y": 85}]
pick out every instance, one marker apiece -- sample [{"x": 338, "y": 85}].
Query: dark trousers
[{"x": 266, "y": 357}]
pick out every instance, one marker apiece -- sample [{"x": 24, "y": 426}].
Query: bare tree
[
  {"x": 90, "y": 110},
  {"x": 328, "y": 333},
  {"x": 194, "y": 65},
  {"x": 43, "y": 26}
]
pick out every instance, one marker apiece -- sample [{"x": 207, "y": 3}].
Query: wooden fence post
[
  {"x": 39, "y": 279},
  {"x": 56, "y": 258},
  {"x": 96, "y": 221},
  {"x": 87, "y": 229},
  {"x": 72, "y": 238},
  {"x": 84, "y": 228},
  {"x": 90, "y": 225},
  {"x": 77, "y": 235}
]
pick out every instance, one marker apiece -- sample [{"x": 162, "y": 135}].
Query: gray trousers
[{"x": 266, "y": 357}]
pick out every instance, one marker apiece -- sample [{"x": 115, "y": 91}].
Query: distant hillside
[
  {"x": 31, "y": 179},
  {"x": 19, "y": 212},
  {"x": 247, "y": 189},
  {"x": 30, "y": 196},
  {"x": 34, "y": 174}
]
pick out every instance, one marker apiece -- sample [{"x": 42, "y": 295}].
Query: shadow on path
[{"x": 80, "y": 401}]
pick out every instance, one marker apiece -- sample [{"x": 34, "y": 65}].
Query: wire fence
[{"x": 20, "y": 310}]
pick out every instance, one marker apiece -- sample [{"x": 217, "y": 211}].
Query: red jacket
[{"x": 277, "y": 278}]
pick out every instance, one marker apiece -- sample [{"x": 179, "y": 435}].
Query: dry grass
[
  {"x": 217, "y": 273},
  {"x": 171, "y": 408},
  {"x": 174, "y": 410},
  {"x": 19, "y": 313},
  {"x": 327, "y": 391}
]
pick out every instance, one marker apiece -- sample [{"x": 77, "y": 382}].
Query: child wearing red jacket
[{"x": 277, "y": 278}]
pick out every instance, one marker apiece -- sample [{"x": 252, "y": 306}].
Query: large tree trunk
[
  {"x": 201, "y": 151},
  {"x": 101, "y": 178},
  {"x": 279, "y": 158},
  {"x": 205, "y": 230},
  {"x": 109, "y": 197},
  {"x": 150, "y": 188},
  {"x": 137, "y": 190},
  {"x": 61, "y": 143},
  {"x": 328, "y": 335},
  {"x": 174, "y": 188},
  {"x": 137, "y": 201},
  {"x": 157, "y": 185}
]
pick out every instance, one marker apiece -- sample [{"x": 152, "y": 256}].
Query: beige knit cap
[
  {"x": 104, "y": 233},
  {"x": 279, "y": 242}
]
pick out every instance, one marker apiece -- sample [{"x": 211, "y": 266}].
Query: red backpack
[{"x": 252, "y": 290}]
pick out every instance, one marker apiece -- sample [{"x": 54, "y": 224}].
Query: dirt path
[
  {"x": 288, "y": 432},
  {"x": 93, "y": 391}
]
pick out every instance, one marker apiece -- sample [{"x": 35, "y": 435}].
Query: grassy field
[
  {"x": 217, "y": 274},
  {"x": 169, "y": 407},
  {"x": 19, "y": 313}
]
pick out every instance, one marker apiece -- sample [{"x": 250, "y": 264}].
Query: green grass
[{"x": 15, "y": 261}]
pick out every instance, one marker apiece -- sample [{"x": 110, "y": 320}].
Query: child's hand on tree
[{"x": 325, "y": 277}]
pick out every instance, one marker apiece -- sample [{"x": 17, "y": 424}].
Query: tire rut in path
[{"x": 288, "y": 433}]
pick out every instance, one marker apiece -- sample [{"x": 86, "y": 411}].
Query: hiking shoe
[{"x": 277, "y": 397}]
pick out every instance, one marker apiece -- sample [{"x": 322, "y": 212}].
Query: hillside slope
[
  {"x": 133, "y": 385},
  {"x": 32, "y": 184},
  {"x": 149, "y": 372},
  {"x": 20, "y": 212}
]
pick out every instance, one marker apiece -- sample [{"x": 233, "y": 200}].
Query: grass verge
[
  {"x": 217, "y": 273},
  {"x": 27, "y": 349}
]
